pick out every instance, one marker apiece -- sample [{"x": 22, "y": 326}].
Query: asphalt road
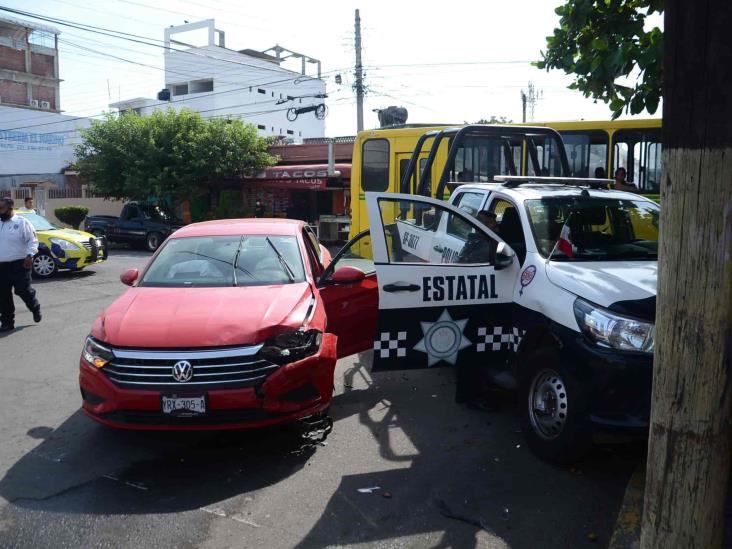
[{"x": 68, "y": 482}]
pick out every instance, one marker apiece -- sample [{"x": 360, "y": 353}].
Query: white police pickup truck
[{"x": 568, "y": 321}]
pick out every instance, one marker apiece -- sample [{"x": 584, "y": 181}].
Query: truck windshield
[
  {"x": 212, "y": 261},
  {"x": 156, "y": 213},
  {"x": 599, "y": 229}
]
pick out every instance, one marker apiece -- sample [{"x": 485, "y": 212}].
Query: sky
[{"x": 462, "y": 62}]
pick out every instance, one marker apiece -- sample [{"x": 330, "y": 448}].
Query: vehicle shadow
[
  {"x": 163, "y": 472},
  {"x": 466, "y": 478}
]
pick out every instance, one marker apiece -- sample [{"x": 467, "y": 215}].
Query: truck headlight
[
  {"x": 291, "y": 346},
  {"x": 95, "y": 354},
  {"x": 65, "y": 244},
  {"x": 613, "y": 330}
]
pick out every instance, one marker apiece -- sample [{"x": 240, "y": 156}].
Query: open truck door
[{"x": 433, "y": 310}]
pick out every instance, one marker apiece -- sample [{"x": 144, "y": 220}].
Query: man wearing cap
[{"x": 18, "y": 245}]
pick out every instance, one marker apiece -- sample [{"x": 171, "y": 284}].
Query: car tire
[
  {"x": 44, "y": 265},
  {"x": 553, "y": 408},
  {"x": 153, "y": 241}
]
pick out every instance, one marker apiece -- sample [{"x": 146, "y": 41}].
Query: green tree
[
  {"x": 168, "y": 153},
  {"x": 602, "y": 42},
  {"x": 494, "y": 120}
]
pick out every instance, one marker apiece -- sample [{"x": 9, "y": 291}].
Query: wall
[
  {"x": 97, "y": 206},
  {"x": 36, "y": 142}
]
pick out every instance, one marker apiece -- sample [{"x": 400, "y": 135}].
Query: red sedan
[{"x": 232, "y": 324}]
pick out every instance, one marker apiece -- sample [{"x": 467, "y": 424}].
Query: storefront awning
[{"x": 306, "y": 176}]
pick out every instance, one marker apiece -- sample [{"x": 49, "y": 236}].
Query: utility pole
[
  {"x": 359, "y": 75},
  {"x": 691, "y": 414},
  {"x": 530, "y": 99},
  {"x": 524, "y": 98}
]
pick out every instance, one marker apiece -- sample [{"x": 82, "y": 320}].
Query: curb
[{"x": 626, "y": 534}]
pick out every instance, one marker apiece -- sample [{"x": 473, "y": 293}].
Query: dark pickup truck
[{"x": 143, "y": 225}]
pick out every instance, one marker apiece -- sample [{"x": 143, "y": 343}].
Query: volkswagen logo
[{"x": 182, "y": 371}]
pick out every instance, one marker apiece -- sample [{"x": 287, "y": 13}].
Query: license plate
[{"x": 184, "y": 405}]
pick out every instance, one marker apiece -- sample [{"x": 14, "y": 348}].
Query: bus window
[
  {"x": 549, "y": 163},
  {"x": 586, "y": 152},
  {"x": 639, "y": 152},
  {"x": 375, "y": 165},
  {"x": 480, "y": 159}
]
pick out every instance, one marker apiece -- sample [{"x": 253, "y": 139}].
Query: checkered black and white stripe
[
  {"x": 386, "y": 344},
  {"x": 500, "y": 338}
]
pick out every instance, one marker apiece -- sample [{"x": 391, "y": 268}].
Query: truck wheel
[
  {"x": 43, "y": 265},
  {"x": 153, "y": 241},
  {"x": 554, "y": 407}
]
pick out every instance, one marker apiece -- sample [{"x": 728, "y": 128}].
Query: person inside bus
[
  {"x": 620, "y": 181},
  {"x": 600, "y": 173}
]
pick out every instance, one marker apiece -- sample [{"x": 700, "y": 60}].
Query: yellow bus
[
  {"x": 593, "y": 149},
  {"x": 608, "y": 145}
]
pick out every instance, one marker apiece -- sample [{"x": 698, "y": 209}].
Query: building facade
[{"x": 249, "y": 85}]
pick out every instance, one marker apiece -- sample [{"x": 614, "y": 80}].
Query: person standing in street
[
  {"x": 259, "y": 209},
  {"x": 18, "y": 245}
]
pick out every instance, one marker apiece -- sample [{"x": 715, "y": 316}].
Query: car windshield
[
  {"x": 210, "y": 261},
  {"x": 599, "y": 229},
  {"x": 39, "y": 223},
  {"x": 156, "y": 213}
]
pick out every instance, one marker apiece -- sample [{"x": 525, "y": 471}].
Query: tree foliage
[
  {"x": 71, "y": 215},
  {"x": 169, "y": 153},
  {"x": 603, "y": 41},
  {"x": 494, "y": 120}
]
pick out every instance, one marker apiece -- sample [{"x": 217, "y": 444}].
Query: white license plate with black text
[{"x": 184, "y": 405}]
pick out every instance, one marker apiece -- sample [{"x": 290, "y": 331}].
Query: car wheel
[
  {"x": 554, "y": 409},
  {"x": 43, "y": 265},
  {"x": 153, "y": 241}
]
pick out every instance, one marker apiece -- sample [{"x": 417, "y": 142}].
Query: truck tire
[
  {"x": 153, "y": 241},
  {"x": 553, "y": 408},
  {"x": 43, "y": 265}
]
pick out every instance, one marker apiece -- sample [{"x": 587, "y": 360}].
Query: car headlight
[
  {"x": 613, "y": 330},
  {"x": 65, "y": 244},
  {"x": 95, "y": 354},
  {"x": 291, "y": 346}
]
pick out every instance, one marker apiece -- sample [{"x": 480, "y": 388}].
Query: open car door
[
  {"x": 349, "y": 292},
  {"x": 436, "y": 310}
]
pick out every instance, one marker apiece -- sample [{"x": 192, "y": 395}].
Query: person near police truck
[{"x": 18, "y": 245}]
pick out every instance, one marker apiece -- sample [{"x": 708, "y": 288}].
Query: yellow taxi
[{"x": 60, "y": 248}]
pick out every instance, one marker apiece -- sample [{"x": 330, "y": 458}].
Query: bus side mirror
[{"x": 504, "y": 256}]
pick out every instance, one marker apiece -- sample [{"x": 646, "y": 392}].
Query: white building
[{"x": 249, "y": 85}]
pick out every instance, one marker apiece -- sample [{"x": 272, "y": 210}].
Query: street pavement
[{"x": 446, "y": 476}]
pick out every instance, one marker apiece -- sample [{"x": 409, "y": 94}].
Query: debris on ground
[
  {"x": 369, "y": 490},
  {"x": 592, "y": 536},
  {"x": 386, "y": 495},
  {"x": 445, "y": 511}
]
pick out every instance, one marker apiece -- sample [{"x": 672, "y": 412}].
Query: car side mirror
[
  {"x": 347, "y": 275},
  {"x": 504, "y": 256},
  {"x": 129, "y": 276}
]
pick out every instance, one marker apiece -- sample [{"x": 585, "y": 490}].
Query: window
[
  {"x": 587, "y": 153},
  {"x": 375, "y": 165},
  {"x": 639, "y": 152},
  {"x": 180, "y": 89},
  {"x": 260, "y": 90},
  {"x": 470, "y": 204},
  {"x": 547, "y": 156},
  {"x": 261, "y": 127},
  {"x": 131, "y": 212},
  {"x": 599, "y": 229},
  {"x": 42, "y": 38},
  {"x": 201, "y": 86},
  {"x": 409, "y": 242},
  {"x": 356, "y": 253},
  {"x": 482, "y": 158},
  {"x": 290, "y": 132},
  {"x": 207, "y": 261},
  {"x": 510, "y": 227}
]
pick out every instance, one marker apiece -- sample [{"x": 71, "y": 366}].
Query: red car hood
[{"x": 202, "y": 317}]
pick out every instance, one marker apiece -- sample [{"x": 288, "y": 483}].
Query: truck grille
[
  {"x": 94, "y": 246},
  {"x": 221, "y": 368}
]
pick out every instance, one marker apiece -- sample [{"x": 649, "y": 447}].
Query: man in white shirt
[{"x": 18, "y": 245}]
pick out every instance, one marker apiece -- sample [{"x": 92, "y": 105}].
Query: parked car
[
  {"x": 559, "y": 302},
  {"x": 60, "y": 248},
  {"x": 142, "y": 225},
  {"x": 232, "y": 324}
]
